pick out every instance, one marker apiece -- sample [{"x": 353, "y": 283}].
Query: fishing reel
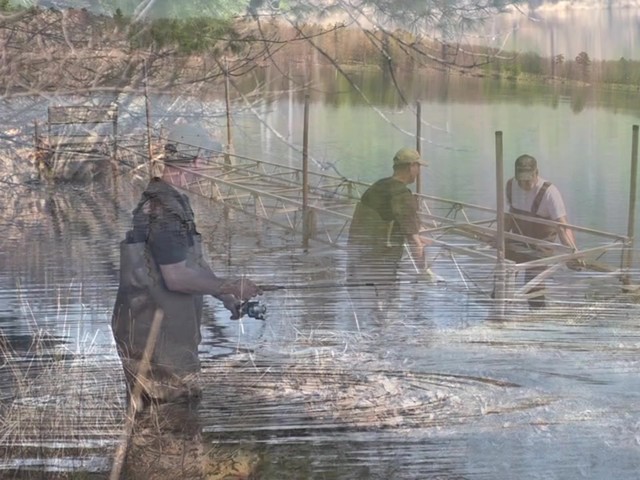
[{"x": 253, "y": 310}]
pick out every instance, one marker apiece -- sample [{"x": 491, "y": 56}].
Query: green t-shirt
[{"x": 386, "y": 214}]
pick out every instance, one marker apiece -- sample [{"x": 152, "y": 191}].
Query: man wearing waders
[
  {"x": 384, "y": 224},
  {"x": 163, "y": 277},
  {"x": 532, "y": 196}
]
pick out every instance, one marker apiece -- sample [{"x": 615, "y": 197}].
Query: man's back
[{"x": 383, "y": 216}]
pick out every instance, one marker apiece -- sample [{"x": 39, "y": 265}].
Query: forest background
[{"x": 120, "y": 45}]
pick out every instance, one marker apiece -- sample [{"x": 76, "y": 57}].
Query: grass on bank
[{"x": 61, "y": 409}]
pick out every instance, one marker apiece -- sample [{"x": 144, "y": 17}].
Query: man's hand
[
  {"x": 231, "y": 303},
  {"x": 243, "y": 289},
  {"x": 577, "y": 264},
  {"x": 430, "y": 276}
]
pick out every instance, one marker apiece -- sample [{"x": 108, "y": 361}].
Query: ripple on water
[{"x": 352, "y": 391}]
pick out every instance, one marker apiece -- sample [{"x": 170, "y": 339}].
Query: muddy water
[{"x": 333, "y": 384}]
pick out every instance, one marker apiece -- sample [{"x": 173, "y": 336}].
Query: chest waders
[
  {"x": 142, "y": 295},
  {"x": 529, "y": 228},
  {"x": 533, "y": 230},
  {"x": 373, "y": 256}
]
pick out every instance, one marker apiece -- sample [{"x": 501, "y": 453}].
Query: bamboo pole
[
  {"x": 500, "y": 247},
  {"x": 628, "y": 256},
  {"x": 418, "y": 142},
  {"x": 148, "y": 113},
  {"x": 36, "y": 141},
  {"x": 228, "y": 150},
  {"x": 114, "y": 153},
  {"x": 306, "y": 228},
  {"x": 135, "y": 400}
]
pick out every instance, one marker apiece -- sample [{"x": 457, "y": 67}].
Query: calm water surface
[{"x": 330, "y": 385}]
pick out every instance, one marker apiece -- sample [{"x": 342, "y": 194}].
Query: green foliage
[
  {"x": 417, "y": 16},
  {"x": 619, "y": 72},
  {"x": 583, "y": 59},
  {"x": 584, "y": 62},
  {"x": 6, "y": 6},
  {"x": 531, "y": 63},
  {"x": 512, "y": 69},
  {"x": 190, "y": 35},
  {"x": 171, "y": 9},
  {"x": 119, "y": 19},
  {"x": 448, "y": 16},
  {"x": 622, "y": 71}
]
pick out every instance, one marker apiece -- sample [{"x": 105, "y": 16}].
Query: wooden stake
[
  {"x": 499, "y": 290},
  {"x": 628, "y": 254},
  {"x": 418, "y": 142},
  {"x": 228, "y": 150},
  {"x": 305, "y": 176}
]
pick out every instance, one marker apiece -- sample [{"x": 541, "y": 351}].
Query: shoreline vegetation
[{"x": 78, "y": 52}]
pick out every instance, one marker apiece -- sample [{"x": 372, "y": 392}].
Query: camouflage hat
[
  {"x": 526, "y": 168},
  {"x": 407, "y": 156}
]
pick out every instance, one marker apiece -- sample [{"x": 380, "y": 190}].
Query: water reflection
[{"x": 326, "y": 386}]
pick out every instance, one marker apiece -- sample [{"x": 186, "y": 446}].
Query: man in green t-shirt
[{"x": 385, "y": 219}]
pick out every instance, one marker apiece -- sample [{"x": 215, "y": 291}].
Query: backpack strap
[
  {"x": 141, "y": 219},
  {"x": 509, "y": 190},
  {"x": 538, "y": 200}
]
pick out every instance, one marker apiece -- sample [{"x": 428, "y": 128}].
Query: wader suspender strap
[{"x": 536, "y": 201}]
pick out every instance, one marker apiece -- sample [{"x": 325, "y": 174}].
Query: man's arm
[
  {"x": 416, "y": 248},
  {"x": 565, "y": 233},
  {"x": 567, "y": 238},
  {"x": 509, "y": 222},
  {"x": 169, "y": 245},
  {"x": 405, "y": 212},
  {"x": 178, "y": 277}
]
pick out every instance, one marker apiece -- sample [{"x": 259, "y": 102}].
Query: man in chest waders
[
  {"x": 385, "y": 224},
  {"x": 530, "y": 195},
  {"x": 163, "y": 277}
]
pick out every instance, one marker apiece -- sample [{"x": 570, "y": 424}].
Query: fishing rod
[
  {"x": 256, "y": 309},
  {"x": 273, "y": 287}
]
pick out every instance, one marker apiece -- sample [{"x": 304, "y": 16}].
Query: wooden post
[
  {"x": 36, "y": 138},
  {"x": 553, "y": 53},
  {"x": 628, "y": 254},
  {"x": 114, "y": 145},
  {"x": 227, "y": 153},
  {"x": 115, "y": 134},
  {"x": 36, "y": 146},
  {"x": 148, "y": 113},
  {"x": 306, "y": 226},
  {"x": 418, "y": 141},
  {"x": 500, "y": 278}
]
